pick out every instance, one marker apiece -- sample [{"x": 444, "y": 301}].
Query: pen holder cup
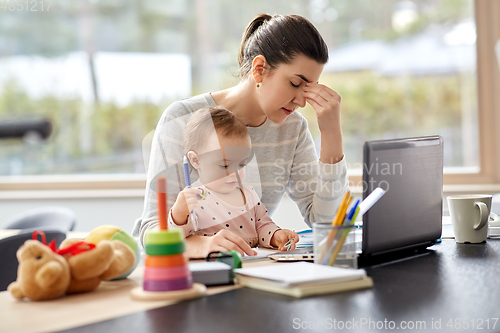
[{"x": 335, "y": 245}]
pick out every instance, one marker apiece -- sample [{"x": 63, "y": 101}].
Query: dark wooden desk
[{"x": 452, "y": 284}]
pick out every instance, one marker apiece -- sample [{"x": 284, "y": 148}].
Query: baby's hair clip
[{"x": 289, "y": 244}]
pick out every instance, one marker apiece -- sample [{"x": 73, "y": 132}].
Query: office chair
[
  {"x": 51, "y": 216},
  {"x": 18, "y": 129},
  {"x": 10, "y": 245}
]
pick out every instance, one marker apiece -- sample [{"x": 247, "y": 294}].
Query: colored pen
[
  {"x": 325, "y": 244},
  {"x": 337, "y": 235},
  {"x": 187, "y": 178},
  {"x": 186, "y": 171},
  {"x": 362, "y": 208},
  {"x": 348, "y": 222},
  {"x": 371, "y": 200},
  {"x": 339, "y": 217},
  {"x": 349, "y": 217}
]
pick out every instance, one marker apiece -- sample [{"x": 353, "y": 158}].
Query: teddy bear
[
  {"x": 78, "y": 266},
  {"x": 108, "y": 260},
  {"x": 42, "y": 273}
]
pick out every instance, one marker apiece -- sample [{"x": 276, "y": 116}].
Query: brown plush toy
[
  {"x": 42, "y": 273},
  {"x": 108, "y": 260},
  {"x": 76, "y": 267}
]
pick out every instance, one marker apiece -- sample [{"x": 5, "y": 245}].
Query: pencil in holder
[{"x": 335, "y": 245}]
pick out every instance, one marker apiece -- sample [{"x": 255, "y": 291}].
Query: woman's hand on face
[
  {"x": 226, "y": 240},
  {"x": 326, "y": 103}
]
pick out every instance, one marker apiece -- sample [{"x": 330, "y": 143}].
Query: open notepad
[
  {"x": 262, "y": 254},
  {"x": 303, "y": 279}
]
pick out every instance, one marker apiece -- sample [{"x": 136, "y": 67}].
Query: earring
[{"x": 258, "y": 85}]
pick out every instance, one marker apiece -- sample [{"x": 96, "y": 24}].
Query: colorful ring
[
  {"x": 166, "y": 261},
  {"x": 169, "y": 285},
  {"x": 169, "y": 236},
  {"x": 203, "y": 194},
  {"x": 164, "y": 249},
  {"x": 166, "y": 273}
]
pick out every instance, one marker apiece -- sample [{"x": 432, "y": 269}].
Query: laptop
[{"x": 408, "y": 218}]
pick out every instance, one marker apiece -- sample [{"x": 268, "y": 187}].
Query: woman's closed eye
[{"x": 295, "y": 85}]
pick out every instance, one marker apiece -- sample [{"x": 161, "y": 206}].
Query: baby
[{"x": 218, "y": 146}]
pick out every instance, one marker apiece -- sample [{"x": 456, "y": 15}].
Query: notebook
[
  {"x": 262, "y": 253},
  {"x": 302, "y": 279},
  {"x": 408, "y": 217}
]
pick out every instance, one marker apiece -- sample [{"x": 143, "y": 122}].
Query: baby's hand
[
  {"x": 187, "y": 201},
  {"x": 193, "y": 195},
  {"x": 282, "y": 236}
]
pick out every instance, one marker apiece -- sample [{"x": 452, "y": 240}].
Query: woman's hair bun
[{"x": 279, "y": 39}]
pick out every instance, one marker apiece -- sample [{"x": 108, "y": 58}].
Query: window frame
[{"x": 487, "y": 179}]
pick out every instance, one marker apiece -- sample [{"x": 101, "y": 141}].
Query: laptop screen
[{"x": 410, "y": 213}]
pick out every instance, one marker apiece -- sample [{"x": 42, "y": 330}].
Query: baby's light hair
[{"x": 202, "y": 123}]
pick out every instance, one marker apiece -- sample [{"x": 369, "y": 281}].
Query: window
[{"x": 104, "y": 71}]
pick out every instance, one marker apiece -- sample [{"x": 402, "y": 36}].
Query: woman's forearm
[
  {"x": 196, "y": 246},
  {"x": 331, "y": 147}
]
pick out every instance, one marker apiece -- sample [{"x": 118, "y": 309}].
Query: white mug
[{"x": 469, "y": 217}]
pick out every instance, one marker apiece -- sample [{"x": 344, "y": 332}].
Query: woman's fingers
[
  {"x": 225, "y": 245},
  {"x": 230, "y": 241},
  {"x": 318, "y": 94},
  {"x": 324, "y": 88},
  {"x": 332, "y": 92},
  {"x": 314, "y": 104},
  {"x": 326, "y": 103},
  {"x": 322, "y": 100},
  {"x": 239, "y": 242},
  {"x": 322, "y": 94}
]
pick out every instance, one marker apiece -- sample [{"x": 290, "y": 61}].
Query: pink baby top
[{"x": 250, "y": 222}]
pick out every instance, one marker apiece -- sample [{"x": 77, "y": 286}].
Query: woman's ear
[
  {"x": 259, "y": 65},
  {"x": 194, "y": 159}
]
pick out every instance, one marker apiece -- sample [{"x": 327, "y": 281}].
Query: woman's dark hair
[{"x": 279, "y": 39}]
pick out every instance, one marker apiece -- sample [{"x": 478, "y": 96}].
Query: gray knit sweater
[{"x": 285, "y": 161}]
